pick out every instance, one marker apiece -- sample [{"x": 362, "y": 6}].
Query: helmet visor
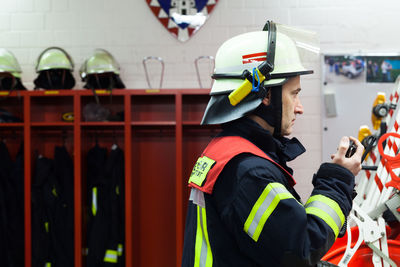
[{"x": 306, "y": 43}]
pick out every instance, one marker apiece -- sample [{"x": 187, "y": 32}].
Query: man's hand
[{"x": 353, "y": 163}]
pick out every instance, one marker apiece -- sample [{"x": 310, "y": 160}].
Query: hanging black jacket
[
  {"x": 254, "y": 217},
  {"x": 11, "y": 207},
  {"x": 5, "y": 191},
  {"x": 52, "y": 210},
  {"x": 116, "y": 172},
  {"x": 44, "y": 206},
  {"x": 64, "y": 214},
  {"x": 15, "y": 214},
  {"x": 104, "y": 177}
]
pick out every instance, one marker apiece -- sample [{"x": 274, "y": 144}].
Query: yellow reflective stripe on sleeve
[
  {"x": 47, "y": 264},
  {"x": 327, "y": 210},
  {"x": 203, "y": 255},
  {"x": 111, "y": 256},
  {"x": 46, "y": 226},
  {"x": 263, "y": 208},
  {"x": 94, "y": 201},
  {"x": 200, "y": 170}
]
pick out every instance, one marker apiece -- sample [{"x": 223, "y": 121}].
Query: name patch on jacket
[{"x": 200, "y": 170}]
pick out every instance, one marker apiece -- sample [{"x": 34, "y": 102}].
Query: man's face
[{"x": 291, "y": 105}]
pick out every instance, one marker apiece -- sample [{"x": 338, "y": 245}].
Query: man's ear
[{"x": 267, "y": 99}]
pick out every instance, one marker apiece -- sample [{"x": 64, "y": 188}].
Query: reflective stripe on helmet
[
  {"x": 327, "y": 210},
  {"x": 111, "y": 256},
  {"x": 263, "y": 208},
  {"x": 203, "y": 255}
]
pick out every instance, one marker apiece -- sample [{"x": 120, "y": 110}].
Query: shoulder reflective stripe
[
  {"x": 265, "y": 205},
  {"x": 200, "y": 170},
  {"x": 326, "y": 209},
  {"x": 111, "y": 256},
  {"x": 203, "y": 254},
  {"x": 94, "y": 201},
  {"x": 47, "y": 264}
]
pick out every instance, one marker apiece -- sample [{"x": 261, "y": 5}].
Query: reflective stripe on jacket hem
[{"x": 111, "y": 256}]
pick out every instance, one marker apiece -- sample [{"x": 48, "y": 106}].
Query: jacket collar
[{"x": 280, "y": 149}]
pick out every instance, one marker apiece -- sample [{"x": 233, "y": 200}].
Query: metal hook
[
  {"x": 196, "y": 63},
  {"x": 159, "y": 59}
]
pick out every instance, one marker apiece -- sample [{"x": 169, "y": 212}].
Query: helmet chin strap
[{"x": 272, "y": 113}]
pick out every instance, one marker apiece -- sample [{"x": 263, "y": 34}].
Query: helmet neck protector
[{"x": 272, "y": 113}]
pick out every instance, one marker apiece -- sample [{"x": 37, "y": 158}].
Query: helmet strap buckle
[{"x": 255, "y": 74}]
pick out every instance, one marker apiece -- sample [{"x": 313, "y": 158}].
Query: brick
[
  {"x": 42, "y": 5},
  {"x": 37, "y": 38},
  {"x": 62, "y": 21},
  {"x": 9, "y": 6},
  {"x": 60, "y": 6},
  {"x": 5, "y": 21},
  {"x": 25, "y": 6},
  {"x": 27, "y": 22},
  {"x": 10, "y": 39}
]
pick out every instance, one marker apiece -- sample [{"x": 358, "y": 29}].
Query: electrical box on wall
[{"x": 330, "y": 104}]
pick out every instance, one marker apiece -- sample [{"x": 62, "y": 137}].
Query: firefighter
[
  {"x": 10, "y": 72},
  {"x": 55, "y": 69},
  {"x": 243, "y": 209},
  {"x": 101, "y": 71}
]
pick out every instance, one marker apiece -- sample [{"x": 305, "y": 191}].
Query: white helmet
[{"x": 270, "y": 56}]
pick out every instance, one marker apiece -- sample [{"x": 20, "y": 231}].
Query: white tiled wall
[{"x": 130, "y": 31}]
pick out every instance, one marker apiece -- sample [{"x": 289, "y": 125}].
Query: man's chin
[{"x": 287, "y": 132}]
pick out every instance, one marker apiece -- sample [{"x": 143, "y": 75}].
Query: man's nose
[{"x": 299, "y": 108}]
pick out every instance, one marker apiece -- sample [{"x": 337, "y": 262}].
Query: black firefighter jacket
[
  {"x": 11, "y": 207},
  {"x": 105, "y": 229},
  {"x": 254, "y": 217},
  {"x": 52, "y": 210}
]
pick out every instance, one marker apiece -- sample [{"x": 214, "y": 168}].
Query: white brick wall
[{"x": 130, "y": 31}]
